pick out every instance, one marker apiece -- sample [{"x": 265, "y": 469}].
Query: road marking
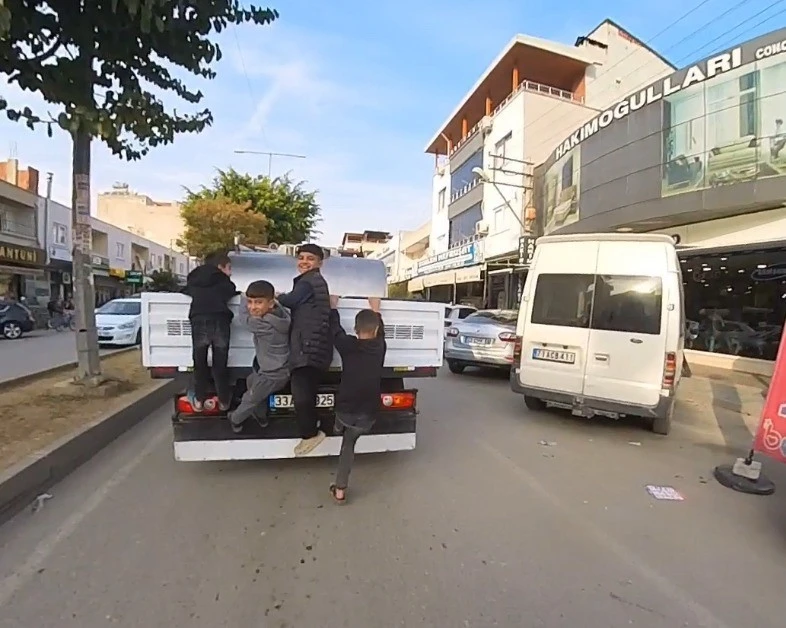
[
  {"x": 12, "y": 583},
  {"x": 703, "y": 615}
]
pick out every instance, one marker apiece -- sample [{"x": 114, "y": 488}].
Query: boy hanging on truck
[
  {"x": 269, "y": 326},
  {"x": 210, "y": 289},
  {"x": 357, "y": 399},
  {"x": 310, "y": 348}
]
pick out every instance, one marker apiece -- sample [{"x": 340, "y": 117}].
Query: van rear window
[
  {"x": 625, "y": 303},
  {"x": 563, "y": 300}
]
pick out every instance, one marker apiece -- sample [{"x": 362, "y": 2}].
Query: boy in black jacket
[
  {"x": 357, "y": 400},
  {"x": 210, "y": 288}
]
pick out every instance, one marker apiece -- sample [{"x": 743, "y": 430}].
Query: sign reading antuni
[{"x": 457, "y": 257}]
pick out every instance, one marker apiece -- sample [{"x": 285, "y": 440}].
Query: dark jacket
[
  {"x": 209, "y": 289},
  {"x": 271, "y": 341},
  {"x": 310, "y": 341},
  {"x": 357, "y": 399}
]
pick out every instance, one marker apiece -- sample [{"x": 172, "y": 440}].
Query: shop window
[
  {"x": 627, "y": 303},
  {"x": 59, "y": 234},
  {"x": 563, "y": 300}
]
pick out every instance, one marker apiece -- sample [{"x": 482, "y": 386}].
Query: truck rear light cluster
[
  {"x": 398, "y": 401},
  {"x": 669, "y": 370},
  {"x": 209, "y": 407},
  {"x": 507, "y": 336},
  {"x": 163, "y": 372}
]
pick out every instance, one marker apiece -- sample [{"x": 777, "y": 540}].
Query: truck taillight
[
  {"x": 209, "y": 408},
  {"x": 507, "y": 336},
  {"x": 163, "y": 372},
  {"x": 452, "y": 332},
  {"x": 517, "y": 349},
  {"x": 398, "y": 401},
  {"x": 669, "y": 370}
]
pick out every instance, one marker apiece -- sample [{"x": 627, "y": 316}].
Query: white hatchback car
[{"x": 119, "y": 322}]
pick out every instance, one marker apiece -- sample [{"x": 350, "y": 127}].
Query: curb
[
  {"x": 26, "y": 379},
  {"x": 23, "y": 482}
]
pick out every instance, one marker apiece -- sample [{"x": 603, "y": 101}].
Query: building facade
[
  {"x": 699, "y": 153},
  {"x": 532, "y": 95},
  {"x": 402, "y": 253},
  {"x": 157, "y": 221}
]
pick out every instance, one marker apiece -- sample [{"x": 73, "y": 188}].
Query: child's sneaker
[{"x": 195, "y": 403}]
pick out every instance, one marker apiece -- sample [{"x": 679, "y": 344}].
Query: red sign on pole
[{"x": 770, "y": 437}]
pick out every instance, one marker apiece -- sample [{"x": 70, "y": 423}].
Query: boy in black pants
[
  {"x": 210, "y": 288},
  {"x": 357, "y": 400}
]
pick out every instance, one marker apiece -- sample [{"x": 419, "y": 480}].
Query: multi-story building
[
  {"x": 22, "y": 260},
  {"x": 157, "y": 221},
  {"x": 533, "y": 94},
  {"x": 363, "y": 244},
  {"x": 403, "y": 251}
]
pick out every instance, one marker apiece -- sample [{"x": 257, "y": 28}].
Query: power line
[{"x": 251, "y": 94}]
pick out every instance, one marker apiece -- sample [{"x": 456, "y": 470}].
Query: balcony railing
[
  {"x": 457, "y": 194},
  {"x": 524, "y": 86},
  {"x": 13, "y": 227}
]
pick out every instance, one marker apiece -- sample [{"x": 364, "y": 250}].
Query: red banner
[{"x": 770, "y": 437}]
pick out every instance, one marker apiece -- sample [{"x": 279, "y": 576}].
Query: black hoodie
[{"x": 209, "y": 289}]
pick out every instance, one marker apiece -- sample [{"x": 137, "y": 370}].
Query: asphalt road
[
  {"x": 481, "y": 526},
  {"x": 37, "y": 352}
]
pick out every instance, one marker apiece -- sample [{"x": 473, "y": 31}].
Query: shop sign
[
  {"x": 526, "y": 250},
  {"x": 457, "y": 257},
  {"x": 770, "y": 273},
  {"x": 119, "y": 273},
  {"x": 22, "y": 255},
  {"x": 134, "y": 277},
  {"x": 100, "y": 262}
]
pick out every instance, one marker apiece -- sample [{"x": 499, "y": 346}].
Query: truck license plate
[{"x": 282, "y": 402}]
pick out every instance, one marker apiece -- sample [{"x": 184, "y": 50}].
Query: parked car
[
  {"x": 485, "y": 338},
  {"x": 455, "y": 313},
  {"x": 16, "y": 319},
  {"x": 119, "y": 322}
]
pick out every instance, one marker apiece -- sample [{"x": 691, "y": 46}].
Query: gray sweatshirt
[{"x": 271, "y": 339}]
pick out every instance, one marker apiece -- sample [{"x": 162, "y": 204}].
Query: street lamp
[
  {"x": 269, "y": 157},
  {"x": 484, "y": 176}
]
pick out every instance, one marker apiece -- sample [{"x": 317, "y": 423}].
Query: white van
[{"x": 601, "y": 329}]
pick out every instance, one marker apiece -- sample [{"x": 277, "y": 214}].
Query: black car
[{"x": 15, "y": 319}]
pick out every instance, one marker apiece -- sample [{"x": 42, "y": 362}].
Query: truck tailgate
[{"x": 413, "y": 330}]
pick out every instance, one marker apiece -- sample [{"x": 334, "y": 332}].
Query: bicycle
[{"x": 61, "y": 322}]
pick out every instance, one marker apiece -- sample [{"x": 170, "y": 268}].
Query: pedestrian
[
  {"x": 269, "y": 326},
  {"x": 357, "y": 398},
  {"x": 210, "y": 289},
  {"x": 310, "y": 348}
]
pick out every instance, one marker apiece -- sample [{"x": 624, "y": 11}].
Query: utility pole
[
  {"x": 269, "y": 157},
  {"x": 45, "y": 239}
]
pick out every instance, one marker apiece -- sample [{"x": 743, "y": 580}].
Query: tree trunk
[{"x": 89, "y": 368}]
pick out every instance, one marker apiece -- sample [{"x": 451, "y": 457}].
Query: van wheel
[
  {"x": 456, "y": 367},
  {"x": 662, "y": 424},
  {"x": 534, "y": 404}
]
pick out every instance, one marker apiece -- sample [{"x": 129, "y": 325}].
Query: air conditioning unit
[
  {"x": 481, "y": 227},
  {"x": 485, "y": 125},
  {"x": 441, "y": 170}
]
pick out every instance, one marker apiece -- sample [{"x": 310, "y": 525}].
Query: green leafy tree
[
  {"x": 213, "y": 223},
  {"x": 292, "y": 212},
  {"x": 101, "y": 65},
  {"x": 162, "y": 281}
]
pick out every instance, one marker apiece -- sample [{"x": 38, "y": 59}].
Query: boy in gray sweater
[{"x": 269, "y": 324}]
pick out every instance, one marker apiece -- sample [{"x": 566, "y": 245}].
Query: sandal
[{"x": 334, "y": 492}]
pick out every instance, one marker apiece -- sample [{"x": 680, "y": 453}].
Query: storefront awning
[
  {"x": 415, "y": 285},
  {"x": 467, "y": 275},
  {"x": 445, "y": 278}
]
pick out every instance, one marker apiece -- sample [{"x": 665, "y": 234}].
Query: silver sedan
[{"x": 486, "y": 338}]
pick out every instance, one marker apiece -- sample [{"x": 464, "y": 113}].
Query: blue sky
[{"x": 359, "y": 89}]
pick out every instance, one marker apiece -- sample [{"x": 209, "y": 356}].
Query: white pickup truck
[{"x": 413, "y": 330}]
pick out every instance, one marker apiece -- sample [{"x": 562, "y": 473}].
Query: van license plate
[
  {"x": 549, "y": 355},
  {"x": 282, "y": 402}
]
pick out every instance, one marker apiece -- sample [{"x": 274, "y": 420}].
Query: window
[
  {"x": 464, "y": 312},
  {"x": 441, "y": 199},
  {"x": 120, "y": 252},
  {"x": 59, "y": 234},
  {"x": 462, "y": 226},
  {"x": 182, "y": 267},
  {"x": 462, "y": 177},
  {"x": 563, "y": 300},
  {"x": 567, "y": 173},
  {"x": 627, "y": 303},
  {"x": 497, "y": 220},
  {"x": 501, "y": 152},
  {"x": 120, "y": 308},
  {"x": 504, "y": 317}
]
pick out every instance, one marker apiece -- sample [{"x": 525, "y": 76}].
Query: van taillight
[
  {"x": 398, "y": 401},
  {"x": 669, "y": 370},
  {"x": 517, "y": 349},
  {"x": 209, "y": 408}
]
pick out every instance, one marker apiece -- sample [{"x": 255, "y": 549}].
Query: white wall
[
  {"x": 54, "y": 233},
  {"x": 748, "y": 229},
  {"x": 622, "y": 68},
  {"x": 440, "y": 225}
]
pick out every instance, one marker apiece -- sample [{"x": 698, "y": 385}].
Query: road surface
[
  {"x": 501, "y": 517},
  {"x": 36, "y": 352}
]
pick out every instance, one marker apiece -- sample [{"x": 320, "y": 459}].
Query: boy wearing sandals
[{"x": 357, "y": 399}]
